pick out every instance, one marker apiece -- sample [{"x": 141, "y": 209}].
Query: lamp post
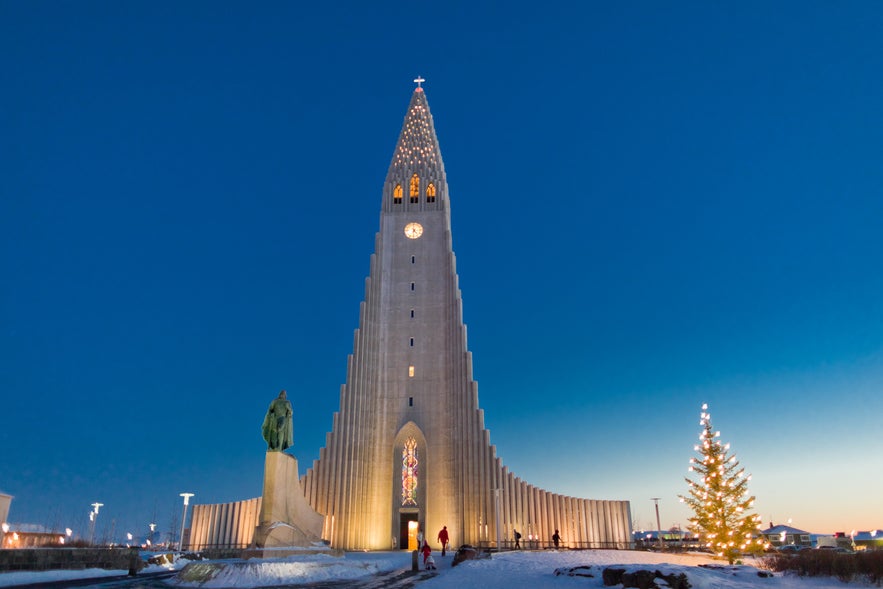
[
  {"x": 152, "y": 528},
  {"x": 93, "y": 517},
  {"x": 5, "y": 528},
  {"x": 658, "y": 525},
  {"x": 186, "y": 497}
]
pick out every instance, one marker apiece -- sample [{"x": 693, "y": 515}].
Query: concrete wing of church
[{"x": 408, "y": 451}]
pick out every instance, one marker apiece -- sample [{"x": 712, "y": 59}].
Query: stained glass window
[
  {"x": 409, "y": 472},
  {"x": 430, "y": 192},
  {"x": 415, "y": 188},
  {"x": 397, "y": 194}
]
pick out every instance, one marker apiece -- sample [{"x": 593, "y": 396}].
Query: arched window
[
  {"x": 415, "y": 188},
  {"x": 397, "y": 194},
  {"x": 430, "y": 192},
  {"x": 409, "y": 472}
]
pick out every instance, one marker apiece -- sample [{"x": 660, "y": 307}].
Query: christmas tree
[{"x": 720, "y": 499}]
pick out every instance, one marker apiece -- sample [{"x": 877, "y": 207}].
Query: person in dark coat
[
  {"x": 517, "y": 539},
  {"x": 556, "y": 539}
]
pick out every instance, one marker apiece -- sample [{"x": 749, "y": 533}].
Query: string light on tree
[{"x": 720, "y": 499}]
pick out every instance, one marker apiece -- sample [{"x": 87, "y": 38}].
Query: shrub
[{"x": 826, "y": 563}]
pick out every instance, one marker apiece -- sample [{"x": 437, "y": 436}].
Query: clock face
[{"x": 413, "y": 230}]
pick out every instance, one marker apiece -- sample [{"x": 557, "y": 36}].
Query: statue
[{"x": 277, "y": 428}]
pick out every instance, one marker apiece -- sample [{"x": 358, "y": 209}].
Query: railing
[
  {"x": 199, "y": 547},
  {"x": 549, "y": 545}
]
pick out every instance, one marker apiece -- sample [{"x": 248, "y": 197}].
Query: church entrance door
[{"x": 408, "y": 529}]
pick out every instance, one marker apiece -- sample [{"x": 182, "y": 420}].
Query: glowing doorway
[{"x": 408, "y": 530}]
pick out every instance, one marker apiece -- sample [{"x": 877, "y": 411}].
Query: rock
[
  {"x": 678, "y": 581},
  {"x": 467, "y": 552},
  {"x": 643, "y": 579},
  {"x": 640, "y": 579},
  {"x": 580, "y": 571},
  {"x": 612, "y": 576}
]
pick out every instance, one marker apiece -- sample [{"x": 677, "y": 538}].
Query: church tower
[{"x": 408, "y": 446}]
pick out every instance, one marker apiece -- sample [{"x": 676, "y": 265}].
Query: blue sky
[{"x": 654, "y": 206}]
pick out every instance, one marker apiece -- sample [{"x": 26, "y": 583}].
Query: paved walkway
[{"x": 389, "y": 580}]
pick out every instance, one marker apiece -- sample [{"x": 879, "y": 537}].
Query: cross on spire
[{"x": 419, "y": 80}]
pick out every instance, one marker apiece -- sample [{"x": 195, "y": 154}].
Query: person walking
[
  {"x": 556, "y": 539},
  {"x": 517, "y": 539},
  {"x": 443, "y": 539},
  {"x": 426, "y": 552}
]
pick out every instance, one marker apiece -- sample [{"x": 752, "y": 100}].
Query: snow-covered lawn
[
  {"x": 512, "y": 570},
  {"x": 524, "y": 570}
]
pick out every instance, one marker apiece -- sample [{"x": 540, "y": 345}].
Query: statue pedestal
[{"x": 286, "y": 519}]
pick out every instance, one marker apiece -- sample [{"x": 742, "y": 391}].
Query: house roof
[{"x": 780, "y": 528}]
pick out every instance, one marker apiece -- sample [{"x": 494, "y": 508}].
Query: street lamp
[
  {"x": 186, "y": 497},
  {"x": 658, "y": 525},
  {"x": 93, "y": 517},
  {"x": 152, "y": 528},
  {"x": 5, "y": 528}
]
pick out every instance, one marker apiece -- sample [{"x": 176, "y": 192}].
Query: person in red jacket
[{"x": 443, "y": 538}]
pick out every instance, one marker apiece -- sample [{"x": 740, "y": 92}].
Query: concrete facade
[
  {"x": 409, "y": 382},
  {"x": 286, "y": 519},
  {"x": 224, "y": 525}
]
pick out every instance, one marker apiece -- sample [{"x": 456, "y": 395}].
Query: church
[{"x": 408, "y": 451}]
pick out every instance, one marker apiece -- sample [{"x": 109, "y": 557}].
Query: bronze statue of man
[{"x": 278, "y": 428}]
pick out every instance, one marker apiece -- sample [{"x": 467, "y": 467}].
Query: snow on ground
[
  {"x": 312, "y": 568},
  {"x": 536, "y": 570},
  {"x": 509, "y": 570}
]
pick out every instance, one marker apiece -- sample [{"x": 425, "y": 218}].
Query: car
[
  {"x": 835, "y": 549},
  {"x": 790, "y": 548}
]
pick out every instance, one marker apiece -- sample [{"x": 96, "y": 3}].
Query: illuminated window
[
  {"x": 397, "y": 194},
  {"x": 430, "y": 192},
  {"x": 411, "y": 371},
  {"x": 415, "y": 188},
  {"x": 409, "y": 472}
]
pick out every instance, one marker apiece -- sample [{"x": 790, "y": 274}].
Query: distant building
[
  {"x": 30, "y": 536},
  {"x": 673, "y": 539},
  {"x": 865, "y": 540},
  {"x": 5, "y": 501},
  {"x": 781, "y": 535}
]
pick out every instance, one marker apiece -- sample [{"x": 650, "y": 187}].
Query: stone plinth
[{"x": 286, "y": 518}]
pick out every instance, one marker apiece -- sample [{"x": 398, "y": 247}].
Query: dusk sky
[{"x": 654, "y": 206}]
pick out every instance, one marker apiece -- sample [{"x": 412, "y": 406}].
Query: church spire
[{"x": 416, "y": 177}]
